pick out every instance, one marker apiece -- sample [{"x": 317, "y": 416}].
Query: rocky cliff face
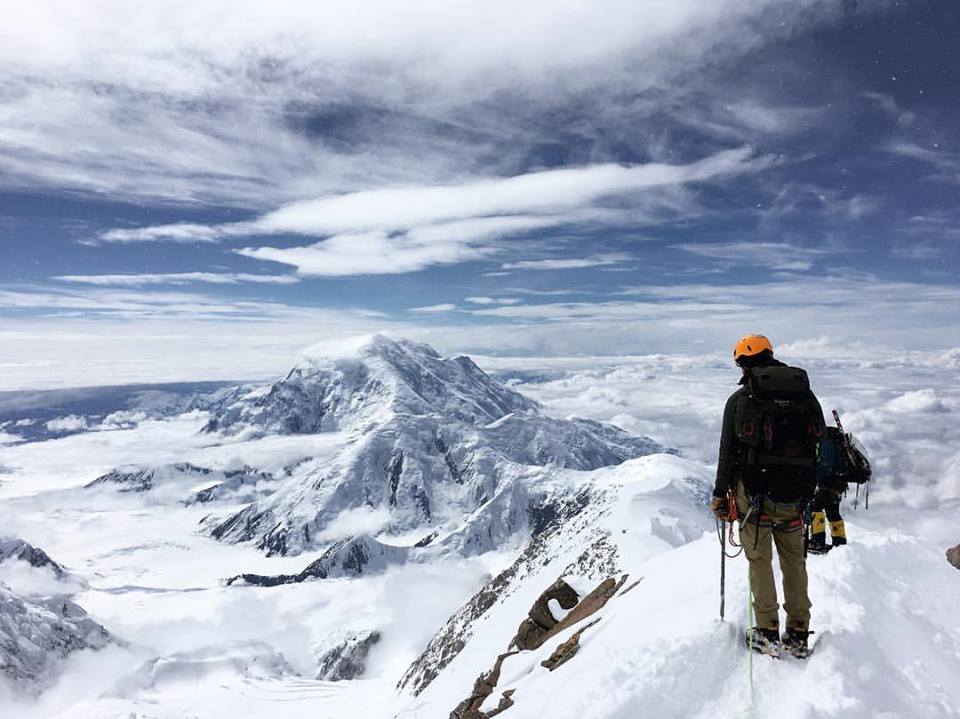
[
  {"x": 346, "y": 558},
  {"x": 19, "y": 550},
  {"x": 194, "y": 484},
  {"x": 432, "y": 440},
  {"x": 37, "y": 633},
  {"x": 347, "y": 654}
]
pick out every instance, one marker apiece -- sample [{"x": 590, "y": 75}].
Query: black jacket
[{"x": 728, "y": 464}]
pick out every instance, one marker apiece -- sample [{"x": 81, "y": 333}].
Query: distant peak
[{"x": 370, "y": 345}]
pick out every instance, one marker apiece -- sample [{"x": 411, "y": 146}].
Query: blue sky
[{"x": 607, "y": 177}]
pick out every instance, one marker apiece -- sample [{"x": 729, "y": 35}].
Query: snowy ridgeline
[{"x": 403, "y": 536}]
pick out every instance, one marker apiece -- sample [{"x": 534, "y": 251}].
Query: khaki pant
[{"x": 793, "y": 564}]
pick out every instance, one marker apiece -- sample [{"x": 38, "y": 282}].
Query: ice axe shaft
[{"x": 723, "y": 566}]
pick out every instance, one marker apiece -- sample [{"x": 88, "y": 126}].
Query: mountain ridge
[{"x": 431, "y": 440}]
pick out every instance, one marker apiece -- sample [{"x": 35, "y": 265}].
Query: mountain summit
[
  {"x": 430, "y": 443},
  {"x": 344, "y": 388}
]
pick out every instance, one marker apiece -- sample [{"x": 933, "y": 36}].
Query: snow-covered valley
[{"x": 461, "y": 499}]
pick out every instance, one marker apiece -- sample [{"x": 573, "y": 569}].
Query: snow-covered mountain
[
  {"x": 463, "y": 553},
  {"x": 39, "y": 630},
  {"x": 435, "y": 443}
]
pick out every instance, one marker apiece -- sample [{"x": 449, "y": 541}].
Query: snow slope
[
  {"x": 887, "y": 642},
  {"x": 143, "y": 567}
]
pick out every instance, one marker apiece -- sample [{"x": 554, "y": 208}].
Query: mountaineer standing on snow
[{"x": 772, "y": 427}]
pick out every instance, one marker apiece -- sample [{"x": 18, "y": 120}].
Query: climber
[
  {"x": 826, "y": 508},
  {"x": 767, "y": 468}
]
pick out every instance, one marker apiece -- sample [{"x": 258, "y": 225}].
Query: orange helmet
[{"x": 751, "y": 345}]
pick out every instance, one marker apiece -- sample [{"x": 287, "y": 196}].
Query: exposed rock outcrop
[
  {"x": 532, "y": 634},
  {"x": 36, "y": 635},
  {"x": 238, "y": 485},
  {"x": 566, "y": 515},
  {"x": 567, "y": 650},
  {"x": 953, "y": 556},
  {"x": 346, "y": 558},
  {"x": 144, "y": 479},
  {"x": 347, "y": 659},
  {"x": 18, "y": 549}
]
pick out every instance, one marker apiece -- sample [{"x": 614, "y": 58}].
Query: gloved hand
[{"x": 720, "y": 507}]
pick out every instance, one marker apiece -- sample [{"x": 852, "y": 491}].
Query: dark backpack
[
  {"x": 779, "y": 433},
  {"x": 842, "y": 460}
]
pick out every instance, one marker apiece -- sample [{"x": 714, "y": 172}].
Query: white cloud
[
  {"x": 430, "y": 309},
  {"x": 155, "y": 304},
  {"x": 179, "y": 278},
  {"x": 186, "y": 232},
  {"x": 771, "y": 119},
  {"x": 775, "y": 255},
  {"x": 491, "y": 300},
  {"x": 174, "y": 101},
  {"x": 351, "y": 522},
  {"x": 477, "y": 207},
  {"x": 70, "y": 423},
  {"x": 946, "y": 163},
  {"x": 128, "y": 339},
  {"x": 570, "y": 263},
  {"x": 551, "y": 191},
  {"x": 391, "y": 231}
]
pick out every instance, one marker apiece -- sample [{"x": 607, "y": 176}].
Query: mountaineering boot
[
  {"x": 818, "y": 544},
  {"x": 838, "y": 533},
  {"x": 795, "y": 643},
  {"x": 763, "y": 641}
]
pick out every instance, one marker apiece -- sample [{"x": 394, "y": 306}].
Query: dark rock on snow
[
  {"x": 37, "y": 635},
  {"x": 953, "y": 556},
  {"x": 21, "y": 550},
  {"x": 348, "y": 659},
  {"x": 347, "y": 558},
  {"x": 487, "y": 682}
]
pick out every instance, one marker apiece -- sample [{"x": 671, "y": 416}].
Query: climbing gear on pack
[
  {"x": 794, "y": 643},
  {"x": 750, "y": 346},
  {"x": 779, "y": 433},
  {"x": 763, "y": 641},
  {"x": 857, "y": 456},
  {"x": 843, "y": 459}
]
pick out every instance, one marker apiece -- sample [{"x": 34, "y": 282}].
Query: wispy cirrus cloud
[
  {"x": 946, "y": 164},
  {"x": 184, "y": 232},
  {"x": 179, "y": 278},
  {"x": 775, "y": 255},
  {"x": 435, "y": 309},
  {"x": 396, "y": 230},
  {"x": 292, "y": 101},
  {"x": 483, "y": 300},
  {"x": 568, "y": 263}
]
